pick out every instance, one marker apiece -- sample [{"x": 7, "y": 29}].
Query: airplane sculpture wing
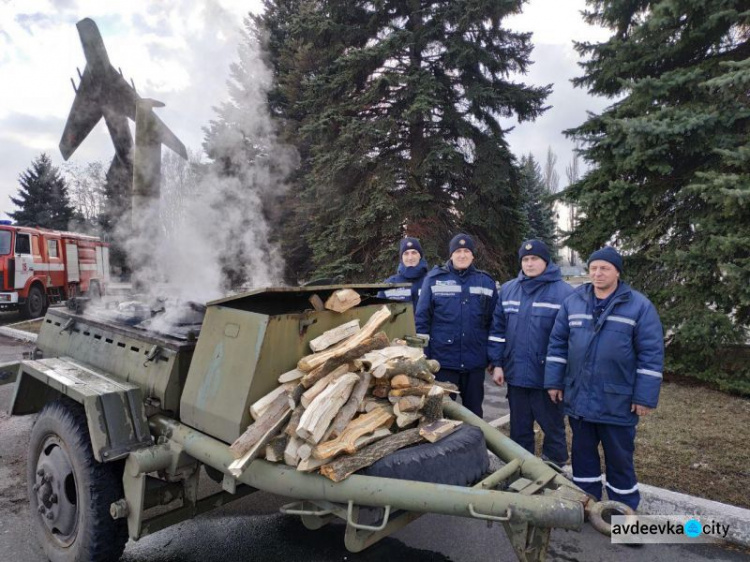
[{"x": 103, "y": 92}]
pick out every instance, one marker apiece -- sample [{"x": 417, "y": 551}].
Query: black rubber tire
[
  {"x": 460, "y": 459},
  {"x": 80, "y": 526},
  {"x": 35, "y": 303}
]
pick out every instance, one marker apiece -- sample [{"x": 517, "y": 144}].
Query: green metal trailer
[{"x": 128, "y": 418}]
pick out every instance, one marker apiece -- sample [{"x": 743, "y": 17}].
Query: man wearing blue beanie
[
  {"x": 454, "y": 312},
  {"x": 521, "y": 325},
  {"x": 604, "y": 362},
  {"x": 412, "y": 268}
]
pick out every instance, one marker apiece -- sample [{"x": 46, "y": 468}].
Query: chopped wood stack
[{"x": 345, "y": 405}]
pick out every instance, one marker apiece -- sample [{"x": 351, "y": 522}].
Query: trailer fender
[{"x": 114, "y": 410}]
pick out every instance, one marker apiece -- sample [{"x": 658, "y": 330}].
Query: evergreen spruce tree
[
  {"x": 43, "y": 197},
  {"x": 398, "y": 115},
  {"x": 537, "y": 204},
  {"x": 669, "y": 168}
]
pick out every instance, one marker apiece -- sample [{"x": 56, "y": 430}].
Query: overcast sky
[{"x": 179, "y": 51}]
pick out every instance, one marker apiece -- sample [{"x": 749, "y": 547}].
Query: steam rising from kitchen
[{"x": 207, "y": 234}]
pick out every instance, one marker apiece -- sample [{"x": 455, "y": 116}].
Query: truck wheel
[
  {"x": 35, "y": 302},
  {"x": 70, "y": 493},
  {"x": 460, "y": 459}
]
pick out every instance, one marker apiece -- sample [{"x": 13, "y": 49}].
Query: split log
[
  {"x": 320, "y": 386},
  {"x": 316, "y": 302},
  {"x": 447, "y": 387},
  {"x": 291, "y": 427},
  {"x": 312, "y": 463},
  {"x": 376, "y": 342},
  {"x": 309, "y": 362},
  {"x": 375, "y": 359},
  {"x": 372, "y": 403},
  {"x": 304, "y": 452},
  {"x": 278, "y": 411},
  {"x": 363, "y": 425},
  {"x": 318, "y": 416},
  {"x": 396, "y": 393},
  {"x": 347, "y": 413},
  {"x": 433, "y": 365},
  {"x": 407, "y": 418},
  {"x": 258, "y": 407},
  {"x": 433, "y": 406},
  {"x": 405, "y": 381},
  {"x": 339, "y": 469},
  {"x": 436, "y": 430},
  {"x": 342, "y": 300},
  {"x": 291, "y": 376},
  {"x": 334, "y": 336},
  {"x": 291, "y": 457},
  {"x": 272, "y": 423},
  {"x": 275, "y": 448},
  {"x": 417, "y": 368},
  {"x": 408, "y": 404}
]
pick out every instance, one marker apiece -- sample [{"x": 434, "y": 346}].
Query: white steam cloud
[{"x": 210, "y": 218}]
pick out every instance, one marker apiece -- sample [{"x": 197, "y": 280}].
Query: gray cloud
[{"x": 569, "y": 107}]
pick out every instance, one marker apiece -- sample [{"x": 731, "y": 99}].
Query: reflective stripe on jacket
[
  {"x": 414, "y": 275},
  {"x": 603, "y": 366},
  {"x": 455, "y": 310},
  {"x": 521, "y": 325}
]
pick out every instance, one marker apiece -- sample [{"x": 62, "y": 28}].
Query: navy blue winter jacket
[
  {"x": 603, "y": 366},
  {"x": 414, "y": 275},
  {"x": 521, "y": 325},
  {"x": 455, "y": 310}
]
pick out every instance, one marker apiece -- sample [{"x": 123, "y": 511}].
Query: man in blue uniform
[
  {"x": 604, "y": 361},
  {"x": 521, "y": 326},
  {"x": 412, "y": 268},
  {"x": 455, "y": 312}
]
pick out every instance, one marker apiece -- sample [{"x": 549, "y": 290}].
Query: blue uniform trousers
[
  {"x": 528, "y": 405},
  {"x": 618, "y": 442},
  {"x": 470, "y": 384}
]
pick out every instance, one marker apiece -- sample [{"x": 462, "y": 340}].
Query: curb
[
  {"x": 658, "y": 501},
  {"x": 18, "y": 334}
]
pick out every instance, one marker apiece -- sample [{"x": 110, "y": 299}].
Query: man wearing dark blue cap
[
  {"x": 522, "y": 322},
  {"x": 604, "y": 362},
  {"x": 412, "y": 268},
  {"x": 454, "y": 312}
]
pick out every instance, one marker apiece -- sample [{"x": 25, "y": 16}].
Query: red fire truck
[{"x": 39, "y": 267}]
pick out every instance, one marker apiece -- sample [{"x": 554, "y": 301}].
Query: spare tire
[{"x": 460, "y": 459}]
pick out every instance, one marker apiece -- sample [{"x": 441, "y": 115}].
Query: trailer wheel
[
  {"x": 70, "y": 493},
  {"x": 35, "y": 303},
  {"x": 460, "y": 459}
]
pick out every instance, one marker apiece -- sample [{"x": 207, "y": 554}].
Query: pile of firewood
[{"x": 357, "y": 398}]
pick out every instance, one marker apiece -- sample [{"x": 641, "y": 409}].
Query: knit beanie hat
[
  {"x": 410, "y": 244},
  {"x": 461, "y": 241},
  {"x": 609, "y": 254},
  {"x": 534, "y": 248}
]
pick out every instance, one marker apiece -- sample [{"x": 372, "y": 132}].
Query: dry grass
[{"x": 696, "y": 442}]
